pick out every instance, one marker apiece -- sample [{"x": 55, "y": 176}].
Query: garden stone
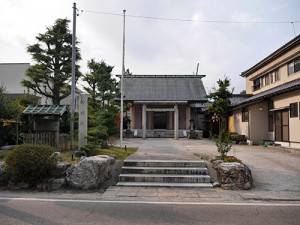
[
  {"x": 60, "y": 169},
  {"x": 1, "y": 172},
  {"x": 235, "y": 176},
  {"x": 79, "y": 154},
  {"x": 110, "y": 159},
  {"x": 216, "y": 163},
  {"x": 216, "y": 184},
  {"x": 55, "y": 155},
  {"x": 89, "y": 172},
  {"x": 52, "y": 184},
  {"x": 17, "y": 185}
]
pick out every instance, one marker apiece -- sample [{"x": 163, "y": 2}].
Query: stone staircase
[{"x": 164, "y": 173}]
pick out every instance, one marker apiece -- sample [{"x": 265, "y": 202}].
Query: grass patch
[
  {"x": 229, "y": 159},
  {"x": 66, "y": 156},
  {"x": 116, "y": 152}
]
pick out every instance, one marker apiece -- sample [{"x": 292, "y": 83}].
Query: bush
[
  {"x": 224, "y": 143},
  {"x": 29, "y": 163},
  {"x": 89, "y": 149}
]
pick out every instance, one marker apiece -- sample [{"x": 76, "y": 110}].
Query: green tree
[
  {"x": 220, "y": 107},
  {"x": 9, "y": 112},
  {"x": 101, "y": 85},
  {"x": 51, "y": 74},
  {"x": 8, "y": 108}
]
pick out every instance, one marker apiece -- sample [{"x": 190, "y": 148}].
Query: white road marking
[{"x": 150, "y": 202}]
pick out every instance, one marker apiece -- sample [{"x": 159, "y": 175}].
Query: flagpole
[
  {"x": 73, "y": 77},
  {"x": 122, "y": 94}
]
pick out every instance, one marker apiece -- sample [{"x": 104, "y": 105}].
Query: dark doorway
[
  {"x": 282, "y": 125},
  {"x": 160, "y": 120}
]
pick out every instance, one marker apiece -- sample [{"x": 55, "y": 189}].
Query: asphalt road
[{"x": 56, "y": 211}]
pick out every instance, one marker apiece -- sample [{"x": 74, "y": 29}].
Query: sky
[{"x": 186, "y": 33}]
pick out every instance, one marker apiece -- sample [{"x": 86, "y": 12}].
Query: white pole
[
  {"x": 123, "y": 72},
  {"x": 73, "y": 76}
]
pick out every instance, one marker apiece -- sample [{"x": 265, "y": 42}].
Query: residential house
[
  {"x": 165, "y": 105},
  {"x": 272, "y": 112},
  {"x": 11, "y": 75}
]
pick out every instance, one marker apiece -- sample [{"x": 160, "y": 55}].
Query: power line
[{"x": 192, "y": 20}]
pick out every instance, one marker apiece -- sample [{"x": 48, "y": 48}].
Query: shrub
[
  {"x": 29, "y": 163},
  {"x": 89, "y": 149},
  {"x": 223, "y": 143}
]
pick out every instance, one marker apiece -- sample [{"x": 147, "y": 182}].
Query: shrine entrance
[{"x": 160, "y": 120}]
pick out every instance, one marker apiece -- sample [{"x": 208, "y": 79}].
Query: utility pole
[
  {"x": 73, "y": 76},
  {"x": 123, "y": 73}
]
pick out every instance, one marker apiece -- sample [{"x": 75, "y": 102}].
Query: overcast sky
[{"x": 156, "y": 46}]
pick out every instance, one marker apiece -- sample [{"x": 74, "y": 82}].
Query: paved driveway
[{"x": 276, "y": 171}]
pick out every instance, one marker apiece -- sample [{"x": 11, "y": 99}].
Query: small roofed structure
[
  {"x": 46, "y": 123},
  {"x": 164, "y": 105}
]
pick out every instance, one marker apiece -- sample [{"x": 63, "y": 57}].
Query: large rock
[
  {"x": 89, "y": 172},
  {"x": 52, "y": 184},
  {"x": 1, "y": 172},
  {"x": 235, "y": 176},
  {"x": 60, "y": 169}
]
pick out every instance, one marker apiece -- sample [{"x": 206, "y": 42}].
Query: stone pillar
[
  {"x": 170, "y": 121},
  {"x": 176, "y": 121},
  {"x": 82, "y": 121},
  {"x": 188, "y": 117},
  {"x": 144, "y": 120},
  {"x": 132, "y": 116}
]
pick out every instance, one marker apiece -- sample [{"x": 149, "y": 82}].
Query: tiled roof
[
  {"x": 294, "y": 42},
  {"x": 294, "y": 85},
  {"x": 46, "y": 110},
  {"x": 238, "y": 98},
  {"x": 163, "y": 88}
]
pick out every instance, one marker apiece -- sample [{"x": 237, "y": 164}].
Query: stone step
[
  {"x": 164, "y": 178},
  {"x": 160, "y": 184},
  {"x": 164, "y": 170},
  {"x": 164, "y": 163}
]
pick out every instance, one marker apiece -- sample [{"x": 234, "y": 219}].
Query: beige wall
[
  {"x": 239, "y": 126},
  {"x": 258, "y": 119},
  {"x": 294, "y": 123},
  {"x": 281, "y": 64},
  {"x": 11, "y": 75}
]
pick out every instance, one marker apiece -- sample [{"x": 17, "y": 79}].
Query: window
[
  {"x": 245, "y": 115},
  {"x": 294, "y": 110},
  {"x": 294, "y": 66},
  {"x": 277, "y": 76},
  {"x": 256, "y": 84},
  {"x": 267, "y": 79}
]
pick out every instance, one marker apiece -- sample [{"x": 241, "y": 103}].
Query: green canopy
[{"x": 46, "y": 110}]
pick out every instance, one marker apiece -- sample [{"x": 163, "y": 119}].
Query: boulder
[
  {"x": 1, "y": 172},
  {"x": 52, "y": 184},
  {"x": 18, "y": 185},
  {"x": 89, "y": 172},
  {"x": 216, "y": 163},
  {"x": 60, "y": 169},
  {"x": 55, "y": 155},
  {"x": 235, "y": 176}
]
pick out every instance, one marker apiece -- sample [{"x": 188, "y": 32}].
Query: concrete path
[
  {"x": 159, "y": 149},
  {"x": 276, "y": 172}
]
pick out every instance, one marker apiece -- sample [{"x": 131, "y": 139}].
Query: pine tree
[
  {"x": 101, "y": 85},
  {"x": 220, "y": 108},
  {"x": 51, "y": 74}
]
